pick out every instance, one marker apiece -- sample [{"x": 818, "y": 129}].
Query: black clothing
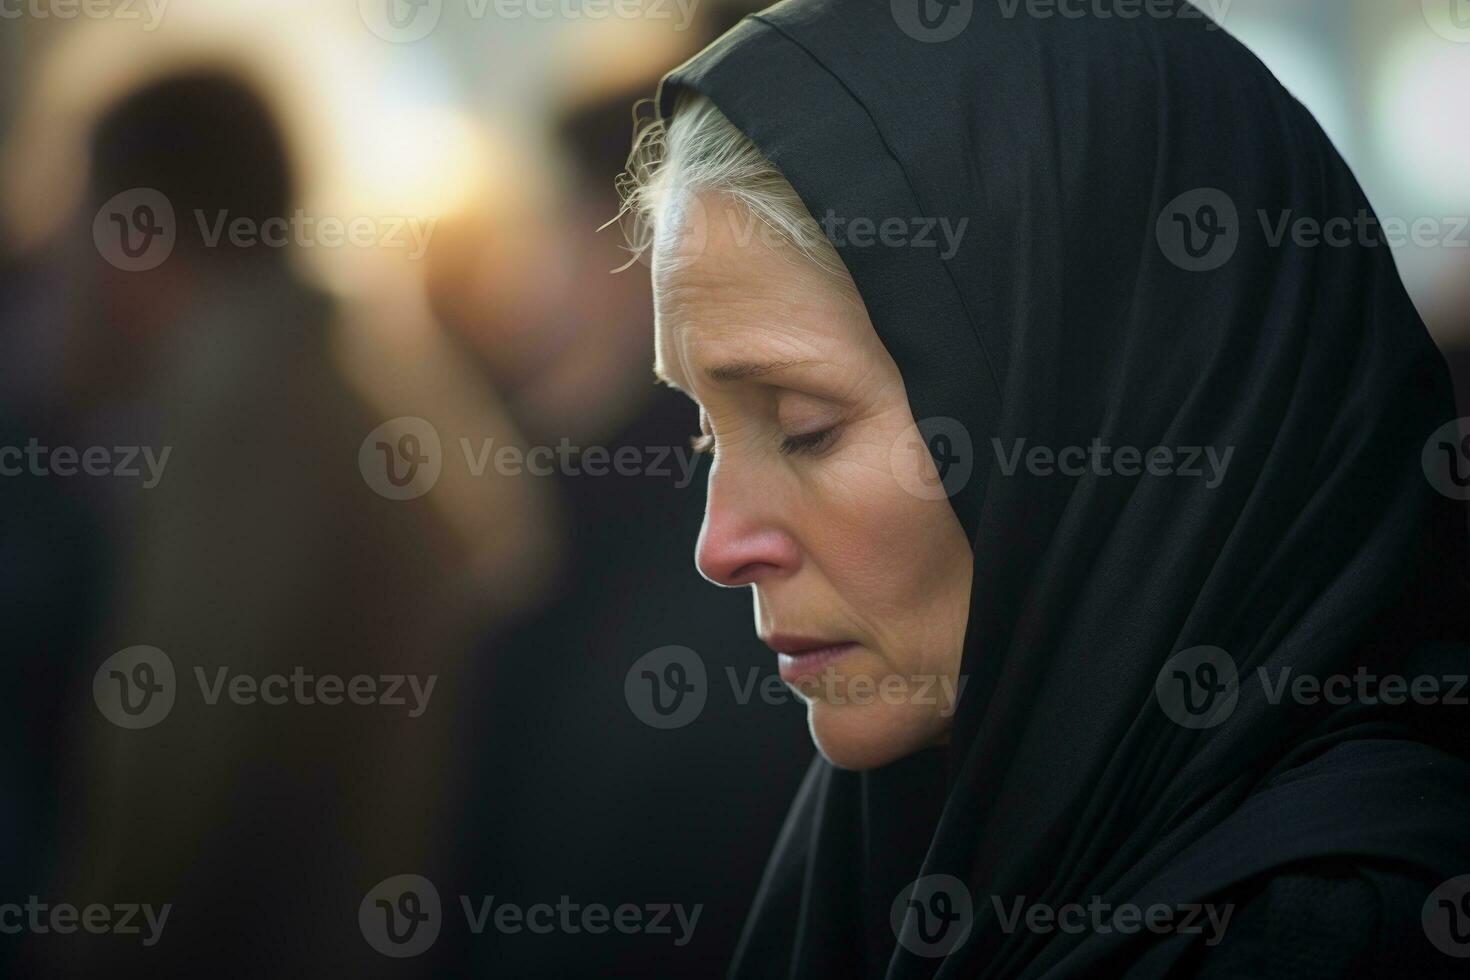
[{"x": 1118, "y": 180}]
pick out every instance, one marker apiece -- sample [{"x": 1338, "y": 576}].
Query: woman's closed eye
[
  {"x": 807, "y": 442},
  {"x": 811, "y": 443}
]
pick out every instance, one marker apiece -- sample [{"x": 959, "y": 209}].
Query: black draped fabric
[{"x": 1071, "y": 147}]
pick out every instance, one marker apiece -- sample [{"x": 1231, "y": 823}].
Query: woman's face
[{"x": 860, "y": 584}]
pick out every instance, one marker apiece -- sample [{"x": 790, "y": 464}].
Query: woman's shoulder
[
  {"x": 1382, "y": 819},
  {"x": 1327, "y": 918}
]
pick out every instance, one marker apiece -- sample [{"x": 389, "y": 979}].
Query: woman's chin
[{"x": 857, "y": 737}]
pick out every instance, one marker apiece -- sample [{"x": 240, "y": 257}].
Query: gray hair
[{"x": 698, "y": 150}]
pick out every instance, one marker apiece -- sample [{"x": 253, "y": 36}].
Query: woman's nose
[{"x": 740, "y": 543}]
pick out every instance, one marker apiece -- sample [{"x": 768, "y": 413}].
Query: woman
[{"x": 1174, "y": 481}]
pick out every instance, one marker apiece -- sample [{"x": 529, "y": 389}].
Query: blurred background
[{"x": 314, "y": 366}]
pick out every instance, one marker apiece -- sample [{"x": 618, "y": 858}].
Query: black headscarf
[{"x": 1080, "y": 149}]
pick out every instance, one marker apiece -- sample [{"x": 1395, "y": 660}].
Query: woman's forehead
[{"x": 739, "y": 331}]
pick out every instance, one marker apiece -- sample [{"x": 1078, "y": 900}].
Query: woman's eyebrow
[
  {"x": 731, "y": 371},
  {"x": 741, "y": 370}
]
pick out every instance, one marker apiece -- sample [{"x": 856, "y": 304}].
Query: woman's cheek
[{"x": 869, "y": 554}]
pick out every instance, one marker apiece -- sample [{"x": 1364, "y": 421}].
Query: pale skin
[{"x": 807, "y": 505}]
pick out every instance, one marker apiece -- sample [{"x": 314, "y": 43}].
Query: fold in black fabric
[{"x": 1062, "y": 316}]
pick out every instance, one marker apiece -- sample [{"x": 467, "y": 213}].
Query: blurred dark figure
[
  {"x": 52, "y": 554},
  {"x": 575, "y": 796},
  {"x": 261, "y": 549}
]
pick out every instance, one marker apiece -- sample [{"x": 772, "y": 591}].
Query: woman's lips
[{"x": 804, "y": 658}]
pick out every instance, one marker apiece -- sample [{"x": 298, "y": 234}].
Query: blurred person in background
[
  {"x": 268, "y": 545},
  {"x": 52, "y": 565}
]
